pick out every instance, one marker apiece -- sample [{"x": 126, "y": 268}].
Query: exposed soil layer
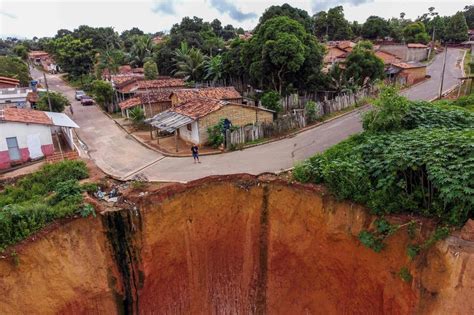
[{"x": 231, "y": 245}]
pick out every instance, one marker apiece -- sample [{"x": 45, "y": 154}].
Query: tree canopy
[
  {"x": 362, "y": 66},
  {"x": 14, "y": 67}
]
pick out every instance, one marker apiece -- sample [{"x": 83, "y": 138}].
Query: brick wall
[
  {"x": 414, "y": 75},
  {"x": 238, "y": 115}
]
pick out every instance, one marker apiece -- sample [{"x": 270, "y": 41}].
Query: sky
[{"x": 28, "y": 18}]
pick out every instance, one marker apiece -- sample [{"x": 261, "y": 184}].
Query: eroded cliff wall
[{"x": 232, "y": 245}]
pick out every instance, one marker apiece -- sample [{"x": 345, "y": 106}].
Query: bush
[
  {"x": 310, "y": 112},
  {"x": 103, "y": 92},
  {"x": 151, "y": 70},
  {"x": 215, "y": 135},
  {"x": 39, "y": 198},
  {"x": 137, "y": 115},
  {"x": 271, "y": 101}
]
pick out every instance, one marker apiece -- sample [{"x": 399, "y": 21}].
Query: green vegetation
[
  {"x": 271, "y": 100},
  {"x": 405, "y": 274},
  {"x": 14, "y": 67},
  {"x": 58, "y": 102},
  {"x": 413, "y": 158},
  {"x": 363, "y": 67},
  {"x": 39, "y": 198},
  {"x": 137, "y": 115},
  {"x": 151, "y": 70},
  {"x": 310, "y": 112},
  {"x": 216, "y": 137},
  {"x": 103, "y": 92}
]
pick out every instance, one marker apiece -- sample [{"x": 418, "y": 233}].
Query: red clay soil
[{"x": 232, "y": 245}]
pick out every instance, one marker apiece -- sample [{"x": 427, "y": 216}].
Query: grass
[{"x": 39, "y": 198}]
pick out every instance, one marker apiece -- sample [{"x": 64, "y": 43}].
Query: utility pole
[
  {"x": 442, "y": 73},
  {"x": 47, "y": 92}
]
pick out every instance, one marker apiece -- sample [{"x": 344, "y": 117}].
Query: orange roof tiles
[
  {"x": 416, "y": 45},
  {"x": 7, "y": 80},
  {"x": 29, "y": 116},
  {"x": 160, "y": 83},
  {"x": 386, "y": 57},
  {"x": 37, "y": 53},
  {"x": 199, "y": 107},
  {"x": 219, "y": 93},
  {"x": 131, "y": 102},
  {"x": 151, "y": 97},
  {"x": 408, "y": 65}
]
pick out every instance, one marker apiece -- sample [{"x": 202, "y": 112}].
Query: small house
[
  {"x": 152, "y": 103},
  {"x": 407, "y": 73},
  {"x": 191, "y": 119},
  {"x": 28, "y": 135}
]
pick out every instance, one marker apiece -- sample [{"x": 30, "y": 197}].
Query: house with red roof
[
  {"x": 6, "y": 82},
  {"x": 27, "y": 135}
]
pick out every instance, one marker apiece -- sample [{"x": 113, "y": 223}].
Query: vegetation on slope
[
  {"x": 412, "y": 158},
  {"x": 39, "y": 198}
]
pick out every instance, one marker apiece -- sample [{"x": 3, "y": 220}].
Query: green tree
[
  {"x": 282, "y": 55},
  {"x": 375, "y": 27},
  {"x": 469, "y": 15},
  {"x": 137, "y": 115},
  {"x": 110, "y": 59},
  {"x": 21, "y": 51},
  {"x": 271, "y": 100},
  {"x": 141, "y": 50},
  {"x": 363, "y": 67},
  {"x": 416, "y": 33},
  {"x": 456, "y": 29},
  {"x": 103, "y": 92},
  {"x": 190, "y": 65},
  {"x": 332, "y": 25},
  {"x": 287, "y": 10},
  {"x": 151, "y": 70},
  {"x": 14, "y": 67},
  {"x": 214, "y": 69},
  {"x": 58, "y": 102},
  {"x": 74, "y": 56}
]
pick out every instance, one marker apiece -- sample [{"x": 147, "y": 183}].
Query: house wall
[
  {"x": 238, "y": 115},
  {"x": 190, "y": 136},
  {"x": 21, "y": 132},
  {"x": 414, "y": 75},
  {"x": 156, "y": 108},
  {"x": 405, "y": 53}
]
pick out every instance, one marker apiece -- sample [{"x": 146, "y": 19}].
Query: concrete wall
[
  {"x": 21, "y": 132},
  {"x": 238, "y": 115},
  {"x": 405, "y": 53},
  {"x": 414, "y": 75},
  {"x": 190, "y": 135}
]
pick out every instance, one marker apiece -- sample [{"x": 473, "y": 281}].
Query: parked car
[
  {"x": 79, "y": 95},
  {"x": 86, "y": 100}
]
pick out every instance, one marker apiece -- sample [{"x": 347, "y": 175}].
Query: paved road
[
  {"x": 429, "y": 90},
  {"x": 118, "y": 154}
]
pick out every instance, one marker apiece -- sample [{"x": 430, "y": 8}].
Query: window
[
  {"x": 13, "y": 149},
  {"x": 189, "y": 127}
]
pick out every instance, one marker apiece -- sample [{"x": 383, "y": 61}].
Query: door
[
  {"x": 13, "y": 149},
  {"x": 34, "y": 146}
]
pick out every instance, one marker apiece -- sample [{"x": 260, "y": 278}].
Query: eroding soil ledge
[{"x": 228, "y": 245}]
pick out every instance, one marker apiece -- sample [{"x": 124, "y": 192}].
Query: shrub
[
  {"x": 405, "y": 274},
  {"x": 271, "y": 101},
  {"x": 39, "y": 198},
  {"x": 215, "y": 134},
  {"x": 137, "y": 115},
  {"x": 310, "y": 112},
  {"x": 58, "y": 102},
  {"x": 151, "y": 70}
]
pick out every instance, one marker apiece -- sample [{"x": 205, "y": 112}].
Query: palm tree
[
  {"x": 191, "y": 65},
  {"x": 109, "y": 59},
  {"x": 214, "y": 69},
  {"x": 141, "y": 49}
]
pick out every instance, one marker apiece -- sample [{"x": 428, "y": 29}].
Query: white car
[{"x": 79, "y": 95}]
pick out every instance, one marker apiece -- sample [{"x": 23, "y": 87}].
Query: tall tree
[
  {"x": 191, "y": 65},
  {"x": 14, "y": 67},
  {"x": 151, "y": 70},
  {"x": 456, "y": 29},
  {"x": 74, "y": 56},
  {"x": 362, "y": 66},
  {"x": 469, "y": 15},
  {"x": 141, "y": 50},
  {"x": 375, "y": 27},
  {"x": 286, "y": 10},
  {"x": 416, "y": 33},
  {"x": 214, "y": 69}
]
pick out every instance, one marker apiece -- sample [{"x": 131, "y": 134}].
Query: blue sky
[{"x": 43, "y": 18}]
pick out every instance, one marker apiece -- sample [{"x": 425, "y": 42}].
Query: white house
[{"x": 27, "y": 134}]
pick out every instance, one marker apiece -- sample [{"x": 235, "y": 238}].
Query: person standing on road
[
  {"x": 70, "y": 108},
  {"x": 195, "y": 151}
]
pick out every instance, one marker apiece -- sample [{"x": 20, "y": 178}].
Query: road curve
[{"x": 118, "y": 154}]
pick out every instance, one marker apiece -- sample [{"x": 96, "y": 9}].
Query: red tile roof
[
  {"x": 131, "y": 102},
  {"x": 219, "y": 93},
  {"x": 199, "y": 107},
  {"x": 151, "y": 97},
  {"x": 160, "y": 83},
  {"x": 37, "y": 53},
  {"x": 29, "y": 116},
  {"x": 408, "y": 65},
  {"x": 7, "y": 80},
  {"x": 415, "y": 45},
  {"x": 387, "y": 57}
]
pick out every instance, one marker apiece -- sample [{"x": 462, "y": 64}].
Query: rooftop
[
  {"x": 29, "y": 116},
  {"x": 9, "y": 80},
  {"x": 387, "y": 57},
  {"x": 37, "y": 53},
  {"x": 416, "y": 45},
  {"x": 218, "y": 93},
  {"x": 408, "y": 65},
  {"x": 160, "y": 83}
]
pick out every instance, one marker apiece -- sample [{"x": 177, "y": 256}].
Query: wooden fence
[
  {"x": 296, "y": 119},
  {"x": 253, "y": 132}
]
